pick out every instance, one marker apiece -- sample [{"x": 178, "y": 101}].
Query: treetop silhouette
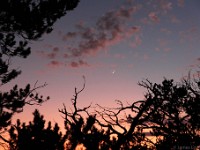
[
  {"x": 35, "y": 135},
  {"x": 169, "y": 112},
  {"x": 23, "y": 21}
]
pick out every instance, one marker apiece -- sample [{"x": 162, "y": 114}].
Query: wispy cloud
[
  {"x": 49, "y": 55},
  {"x": 80, "y": 63},
  {"x": 123, "y": 24},
  {"x": 190, "y": 35},
  {"x": 165, "y": 5},
  {"x": 181, "y": 3},
  {"x": 136, "y": 42},
  {"x": 163, "y": 44},
  {"x": 109, "y": 30},
  {"x": 154, "y": 17},
  {"x": 174, "y": 19},
  {"x": 55, "y": 63}
]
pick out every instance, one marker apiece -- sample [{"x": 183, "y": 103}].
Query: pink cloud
[
  {"x": 69, "y": 35},
  {"x": 55, "y": 63},
  {"x": 190, "y": 35},
  {"x": 174, "y": 19},
  {"x": 165, "y": 5},
  {"x": 196, "y": 75},
  {"x": 74, "y": 64},
  {"x": 153, "y": 17},
  {"x": 181, "y": 3},
  {"x": 195, "y": 64},
  {"x": 110, "y": 29},
  {"x": 132, "y": 31},
  {"x": 48, "y": 55},
  {"x": 77, "y": 64},
  {"x": 51, "y": 55},
  {"x": 156, "y": 10},
  {"x": 55, "y": 49},
  {"x": 163, "y": 45},
  {"x": 136, "y": 42},
  {"x": 83, "y": 63},
  {"x": 66, "y": 55}
]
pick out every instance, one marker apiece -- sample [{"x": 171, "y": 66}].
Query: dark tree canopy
[
  {"x": 22, "y": 21},
  {"x": 173, "y": 113},
  {"x": 32, "y": 18},
  {"x": 35, "y": 135},
  {"x": 100, "y": 129},
  {"x": 169, "y": 112}
]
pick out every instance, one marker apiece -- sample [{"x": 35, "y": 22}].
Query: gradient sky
[{"x": 114, "y": 44}]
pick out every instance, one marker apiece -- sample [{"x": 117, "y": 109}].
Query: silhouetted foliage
[
  {"x": 14, "y": 100},
  {"x": 84, "y": 128},
  {"x": 36, "y": 135},
  {"x": 78, "y": 130},
  {"x": 22, "y": 21},
  {"x": 174, "y": 113},
  {"x": 169, "y": 112}
]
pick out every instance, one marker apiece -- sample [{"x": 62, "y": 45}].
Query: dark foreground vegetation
[{"x": 169, "y": 112}]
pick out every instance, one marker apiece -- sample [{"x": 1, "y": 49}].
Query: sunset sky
[{"x": 114, "y": 44}]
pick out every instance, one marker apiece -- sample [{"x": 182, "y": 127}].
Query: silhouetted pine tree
[
  {"x": 22, "y": 21},
  {"x": 174, "y": 113},
  {"x": 35, "y": 135}
]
